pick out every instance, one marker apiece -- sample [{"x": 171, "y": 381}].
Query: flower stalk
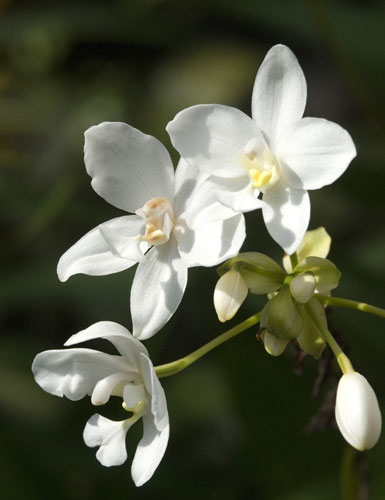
[
  {"x": 342, "y": 359},
  {"x": 351, "y": 304},
  {"x": 178, "y": 365}
]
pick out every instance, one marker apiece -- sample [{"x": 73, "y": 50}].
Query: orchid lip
[
  {"x": 260, "y": 164},
  {"x": 159, "y": 218}
]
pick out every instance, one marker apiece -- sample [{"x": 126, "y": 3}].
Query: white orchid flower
[
  {"x": 78, "y": 372},
  {"x": 277, "y": 152},
  {"x": 178, "y": 223}
]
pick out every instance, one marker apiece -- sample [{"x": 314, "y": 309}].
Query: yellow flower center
[
  {"x": 261, "y": 167},
  {"x": 159, "y": 218}
]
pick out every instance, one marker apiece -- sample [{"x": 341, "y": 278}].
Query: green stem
[
  {"x": 350, "y": 475},
  {"x": 351, "y": 304},
  {"x": 180, "y": 364},
  {"x": 341, "y": 357}
]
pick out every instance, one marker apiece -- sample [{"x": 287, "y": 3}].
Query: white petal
[
  {"x": 211, "y": 243},
  {"x": 149, "y": 452},
  {"x": 91, "y": 255},
  {"x": 286, "y": 215},
  {"x": 124, "y": 237},
  {"x": 127, "y": 167},
  {"x": 279, "y": 94},
  {"x": 157, "y": 289},
  {"x": 314, "y": 153},
  {"x": 110, "y": 385},
  {"x": 237, "y": 194},
  {"x": 188, "y": 180},
  {"x": 357, "y": 412},
  {"x": 120, "y": 337},
  {"x": 74, "y": 372},
  {"x": 158, "y": 397},
  {"x": 211, "y": 136},
  {"x": 110, "y": 436}
]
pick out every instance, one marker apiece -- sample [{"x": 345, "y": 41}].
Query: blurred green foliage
[{"x": 237, "y": 416}]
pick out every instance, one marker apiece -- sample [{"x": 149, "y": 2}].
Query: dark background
[{"x": 237, "y": 416}]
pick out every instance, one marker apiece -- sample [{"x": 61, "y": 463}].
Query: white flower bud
[
  {"x": 302, "y": 287},
  {"x": 229, "y": 294},
  {"x": 357, "y": 412},
  {"x": 273, "y": 345}
]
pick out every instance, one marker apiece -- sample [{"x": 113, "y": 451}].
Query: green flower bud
[
  {"x": 302, "y": 287},
  {"x": 273, "y": 346},
  {"x": 281, "y": 316}
]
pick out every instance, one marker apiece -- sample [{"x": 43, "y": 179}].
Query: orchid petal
[
  {"x": 127, "y": 167},
  {"x": 110, "y": 385},
  {"x": 195, "y": 199},
  {"x": 150, "y": 451},
  {"x": 314, "y": 153},
  {"x": 124, "y": 237},
  {"x": 158, "y": 397},
  {"x": 73, "y": 373},
  {"x": 286, "y": 215},
  {"x": 279, "y": 94},
  {"x": 188, "y": 187},
  {"x": 237, "y": 194},
  {"x": 213, "y": 242},
  {"x": 92, "y": 255},
  {"x": 157, "y": 289},
  {"x": 212, "y": 136},
  {"x": 127, "y": 345},
  {"x": 110, "y": 436}
]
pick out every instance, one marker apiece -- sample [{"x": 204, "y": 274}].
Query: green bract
[
  {"x": 281, "y": 316},
  {"x": 261, "y": 273},
  {"x": 310, "y": 339},
  {"x": 315, "y": 243},
  {"x": 326, "y": 275}
]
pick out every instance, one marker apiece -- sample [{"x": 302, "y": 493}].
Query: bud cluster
[
  {"x": 284, "y": 316},
  {"x": 293, "y": 312}
]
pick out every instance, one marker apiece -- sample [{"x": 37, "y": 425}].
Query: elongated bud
[
  {"x": 229, "y": 294},
  {"x": 357, "y": 412},
  {"x": 302, "y": 287},
  {"x": 273, "y": 346}
]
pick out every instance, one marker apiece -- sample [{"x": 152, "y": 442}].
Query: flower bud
[
  {"x": 273, "y": 345},
  {"x": 281, "y": 316},
  {"x": 357, "y": 412},
  {"x": 302, "y": 287},
  {"x": 229, "y": 294}
]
